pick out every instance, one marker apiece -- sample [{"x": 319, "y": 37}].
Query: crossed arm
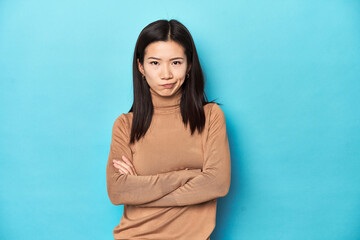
[
  {"x": 133, "y": 189},
  {"x": 214, "y": 180},
  {"x": 175, "y": 188}
]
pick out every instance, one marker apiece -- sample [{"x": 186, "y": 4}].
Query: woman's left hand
[{"x": 125, "y": 166}]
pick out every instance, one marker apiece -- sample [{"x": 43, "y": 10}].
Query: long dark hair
[{"x": 193, "y": 96}]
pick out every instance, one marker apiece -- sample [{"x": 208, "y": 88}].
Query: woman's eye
[
  {"x": 178, "y": 62},
  {"x": 155, "y": 62}
]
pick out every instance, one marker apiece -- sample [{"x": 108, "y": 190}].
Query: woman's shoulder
[
  {"x": 212, "y": 108},
  {"x": 124, "y": 119},
  {"x": 214, "y": 113}
]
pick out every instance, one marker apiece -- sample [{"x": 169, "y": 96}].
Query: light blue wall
[{"x": 287, "y": 73}]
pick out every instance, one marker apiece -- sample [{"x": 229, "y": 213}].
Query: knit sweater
[{"x": 179, "y": 175}]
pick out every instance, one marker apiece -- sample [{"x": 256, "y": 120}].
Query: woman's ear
[
  {"x": 140, "y": 67},
  {"x": 188, "y": 70}
]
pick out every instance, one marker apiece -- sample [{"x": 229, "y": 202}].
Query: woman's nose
[{"x": 166, "y": 72}]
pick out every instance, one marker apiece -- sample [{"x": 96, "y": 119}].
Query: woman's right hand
[{"x": 125, "y": 166}]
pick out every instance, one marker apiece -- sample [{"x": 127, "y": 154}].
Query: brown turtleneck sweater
[{"x": 179, "y": 175}]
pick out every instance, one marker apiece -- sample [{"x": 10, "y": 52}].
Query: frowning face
[{"x": 165, "y": 66}]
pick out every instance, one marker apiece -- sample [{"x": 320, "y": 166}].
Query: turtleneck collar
[{"x": 164, "y": 104}]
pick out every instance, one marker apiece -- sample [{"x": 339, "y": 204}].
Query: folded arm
[
  {"x": 214, "y": 181},
  {"x": 134, "y": 189}
]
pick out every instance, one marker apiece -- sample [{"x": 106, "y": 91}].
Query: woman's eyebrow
[{"x": 170, "y": 58}]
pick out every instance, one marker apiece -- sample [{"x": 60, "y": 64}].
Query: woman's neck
[{"x": 166, "y": 103}]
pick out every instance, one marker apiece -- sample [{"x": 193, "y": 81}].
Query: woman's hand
[{"x": 125, "y": 166}]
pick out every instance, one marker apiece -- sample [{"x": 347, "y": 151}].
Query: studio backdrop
[{"x": 286, "y": 72}]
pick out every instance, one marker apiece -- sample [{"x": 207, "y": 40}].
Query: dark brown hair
[{"x": 193, "y": 96}]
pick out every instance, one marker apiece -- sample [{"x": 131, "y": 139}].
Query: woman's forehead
[{"x": 164, "y": 50}]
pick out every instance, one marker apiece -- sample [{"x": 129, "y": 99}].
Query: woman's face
[{"x": 164, "y": 63}]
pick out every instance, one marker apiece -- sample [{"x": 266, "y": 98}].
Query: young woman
[{"x": 169, "y": 155}]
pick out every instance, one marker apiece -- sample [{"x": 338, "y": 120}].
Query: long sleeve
[
  {"x": 214, "y": 181},
  {"x": 132, "y": 189}
]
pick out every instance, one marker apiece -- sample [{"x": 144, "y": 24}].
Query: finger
[
  {"x": 124, "y": 165},
  {"x": 119, "y": 168},
  {"x": 116, "y": 165},
  {"x": 124, "y": 170},
  {"x": 119, "y": 161},
  {"x": 126, "y": 160},
  {"x": 129, "y": 163},
  {"x": 119, "y": 165}
]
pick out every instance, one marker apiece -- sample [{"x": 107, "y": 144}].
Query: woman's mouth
[{"x": 168, "y": 85}]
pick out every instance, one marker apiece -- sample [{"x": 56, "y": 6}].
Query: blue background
[{"x": 287, "y": 73}]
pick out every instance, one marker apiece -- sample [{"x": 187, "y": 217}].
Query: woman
[{"x": 169, "y": 156}]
